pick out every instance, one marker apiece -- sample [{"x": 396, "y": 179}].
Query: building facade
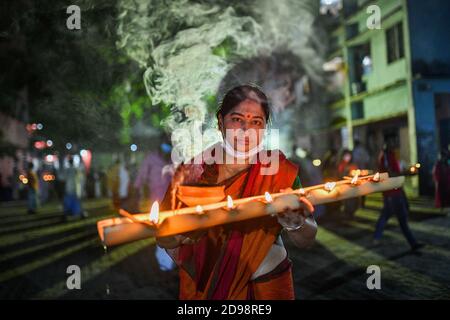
[{"x": 394, "y": 80}]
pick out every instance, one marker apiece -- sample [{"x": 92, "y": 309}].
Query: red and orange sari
[{"x": 221, "y": 264}]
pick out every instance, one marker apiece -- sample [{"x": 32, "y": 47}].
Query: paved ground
[{"x": 36, "y": 250}]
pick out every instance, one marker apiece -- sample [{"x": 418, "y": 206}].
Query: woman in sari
[{"x": 247, "y": 259}]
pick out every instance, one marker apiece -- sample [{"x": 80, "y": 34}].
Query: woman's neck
[{"x": 226, "y": 171}]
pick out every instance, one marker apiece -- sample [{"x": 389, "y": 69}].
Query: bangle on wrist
[{"x": 296, "y": 227}]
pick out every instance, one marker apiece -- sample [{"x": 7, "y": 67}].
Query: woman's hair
[{"x": 241, "y": 93}]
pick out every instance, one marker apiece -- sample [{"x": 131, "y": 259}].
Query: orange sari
[{"x": 221, "y": 264}]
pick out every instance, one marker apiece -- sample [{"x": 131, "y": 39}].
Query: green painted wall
[{"x": 390, "y": 102}]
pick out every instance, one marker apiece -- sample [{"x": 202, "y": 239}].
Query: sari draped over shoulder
[{"x": 220, "y": 265}]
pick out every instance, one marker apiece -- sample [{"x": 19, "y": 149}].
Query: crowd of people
[
  {"x": 337, "y": 165},
  {"x": 127, "y": 184}
]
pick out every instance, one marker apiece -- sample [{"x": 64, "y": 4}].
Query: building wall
[
  {"x": 405, "y": 89},
  {"x": 430, "y": 37},
  {"x": 425, "y": 91},
  {"x": 384, "y": 73},
  {"x": 386, "y": 104},
  {"x": 429, "y": 25}
]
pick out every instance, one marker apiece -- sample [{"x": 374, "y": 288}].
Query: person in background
[
  {"x": 97, "y": 184},
  {"x": 124, "y": 183},
  {"x": 441, "y": 177},
  {"x": 156, "y": 173},
  {"x": 309, "y": 174},
  {"x": 43, "y": 185},
  {"x": 32, "y": 189},
  {"x": 329, "y": 167},
  {"x": 361, "y": 159},
  {"x": 360, "y": 155},
  {"x": 345, "y": 168},
  {"x": 330, "y": 164},
  {"x": 90, "y": 184},
  {"x": 346, "y": 164},
  {"x": 72, "y": 195},
  {"x": 395, "y": 201},
  {"x": 15, "y": 183},
  {"x": 112, "y": 177},
  {"x": 132, "y": 203}
]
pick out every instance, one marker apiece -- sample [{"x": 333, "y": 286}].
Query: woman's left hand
[{"x": 294, "y": 218}]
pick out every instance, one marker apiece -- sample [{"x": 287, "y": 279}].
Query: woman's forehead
[{"x": 249, "y": 108}]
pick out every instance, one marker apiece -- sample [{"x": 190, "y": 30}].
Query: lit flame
[
  {"x": 355, "y": 179},
  {"x": 268, "y": 197},
  {"x": 230, "y": 203},
  {"x": 413, "y": 169},
  {"x": 359, "y": 172},
  {"x": 329, "y": 186},
  {"x": 199, "y": 209},
  {"x": 417, "y": 165},
  {"x": 154, "y": 212},
  {"x": 376, "y": 177}
]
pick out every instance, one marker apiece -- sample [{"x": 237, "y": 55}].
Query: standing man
[{"x": 395, "y": 201}]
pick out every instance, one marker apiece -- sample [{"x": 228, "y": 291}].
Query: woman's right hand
[
  {"x": 190, "y": 237},
  {"x": 187, "y": 238}
]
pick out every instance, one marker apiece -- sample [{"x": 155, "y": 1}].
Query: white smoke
[{"x": 174, "y": 42}]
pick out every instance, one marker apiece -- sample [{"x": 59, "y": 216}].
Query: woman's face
[{"x": 243, "y": 127}]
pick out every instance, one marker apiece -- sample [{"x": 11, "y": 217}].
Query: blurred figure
[
  {"x": 90, "y": 184},
  {"x": 133, "y": 197},
  {"x": 309, "y": 174},
  {"x": 330, "y": 173},
  {"x": 124, "y": 183},
  {"x": 395, "y": 201},
  {"x": 330, "y": 164},
  {"x": 360, "y": 155},
  {"x": 14, "y": 183},
  {"x": 346, "y": 165},
  {"x": 93, "y": 188},
  {"x": 43, "y": 185},
  {"x": 32, "y": 189},
  {"x": 97, "y": 184},
  {"x": 156, "y": 173},
  {"x": 72, "y": 194},
  {"x": 59, "y": 184},
  {"x": 441, "y": 177},
  {"x": 112, "y": 177},
  {"x": 361, "y": 159},
  {"x": 345, "y": 168}
]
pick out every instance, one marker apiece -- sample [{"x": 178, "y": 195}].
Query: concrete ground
[{"x": 35, "y": 251}]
